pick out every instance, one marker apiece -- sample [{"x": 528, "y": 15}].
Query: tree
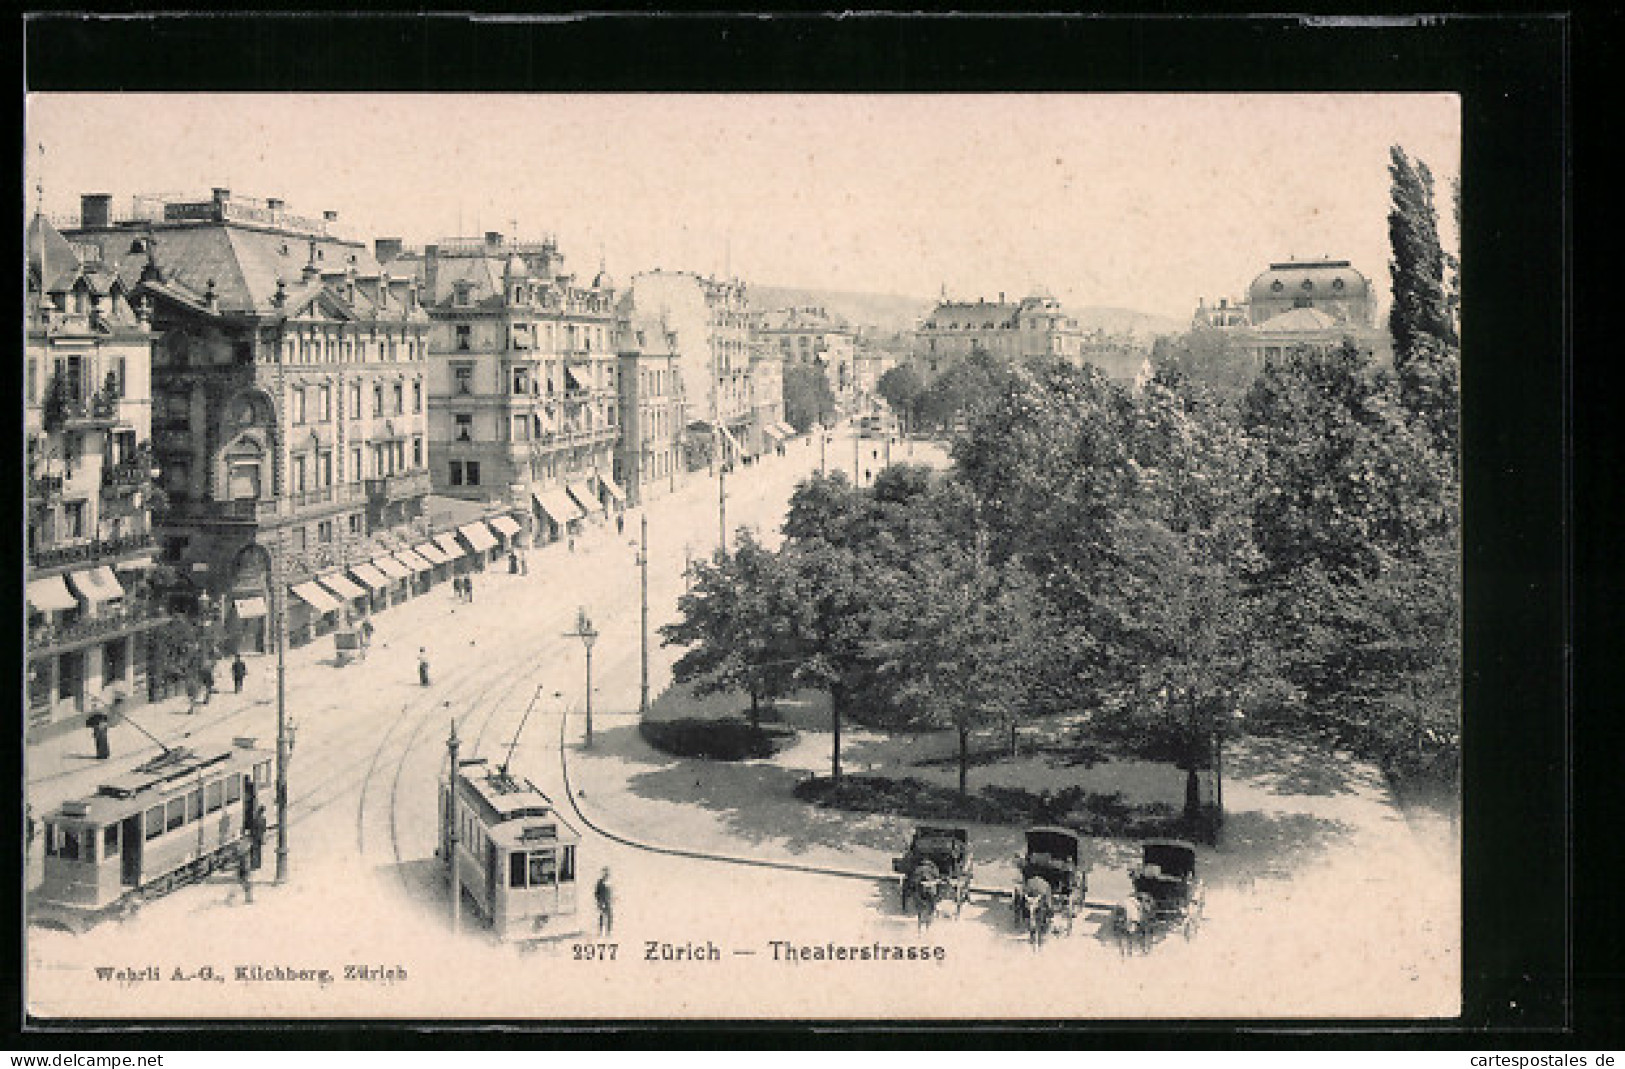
[
  {"x": 808, "y": 398},
  {"x": 1422, "y": 321},
  {"x": 965, "y": 387},
  {"x": 734, "y": 624},
  {"x": 1208, "y": 357},
  {"x": 901, "y": 387},
  {"x": 956, "y": 648}
]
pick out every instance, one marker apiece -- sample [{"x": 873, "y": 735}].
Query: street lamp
[{"x": 588, "y": 635}]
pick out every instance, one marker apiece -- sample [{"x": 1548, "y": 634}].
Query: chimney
[
  {"x": 276, "y": 204},
  {"x": 386, "y": 249},
  {"x": 1001, "y": 296},
  {"x": 493, "y": 239},
  {"x": 330, "y": 216},
  {"x": 95, "y": 210},
  {"x": 221, "y": 194}
]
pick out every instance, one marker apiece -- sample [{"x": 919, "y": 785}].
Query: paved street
[{"x": 1349, "y": 919}]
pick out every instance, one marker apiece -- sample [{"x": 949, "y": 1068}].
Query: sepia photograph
[{"x": 679, "y": 556}]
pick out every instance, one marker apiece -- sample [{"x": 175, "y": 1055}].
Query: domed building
[{"x": 1332, "y": 287}]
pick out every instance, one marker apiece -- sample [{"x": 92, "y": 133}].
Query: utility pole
[
  {"x": 588, "y": 635},
  {"x": 451, "y": 830},
  {"x": 857, "y": 448},
  {"x": 643, "y": 567}
]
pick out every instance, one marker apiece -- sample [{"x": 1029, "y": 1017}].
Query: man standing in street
[
  {"x": 97, "y": 723},
  {"x": 604, "y": 894},
  {"x": 423, "y": 666},
  {"x": 239, "y": 672}
]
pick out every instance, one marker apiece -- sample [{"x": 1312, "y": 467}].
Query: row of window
[
  {"x": 317, "y": 349},
  {"x": 314, "y": 471},
  {"x": 79, "y": 844},
  {"x": 316, "y": 403}
]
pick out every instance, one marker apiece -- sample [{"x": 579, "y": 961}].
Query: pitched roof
[
  {"x": 59, "y": 257},
  {"x": 1299, "y": 321}
]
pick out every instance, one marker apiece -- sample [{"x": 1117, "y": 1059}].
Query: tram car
[
  {"x": 515, "y": 854},
  {"x": 169, "y": 821}
]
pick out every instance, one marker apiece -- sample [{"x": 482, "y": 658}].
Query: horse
[
  {"x": 1035, "y": 904},
  {"x": 925, "y": 884},
  {"x": 1131, "y": 921}
]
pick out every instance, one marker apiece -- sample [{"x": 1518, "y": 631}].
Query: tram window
[
  {"x": 155, "y": 822},
  {"x": 234, "y": 788},
  {"x": 262, "y": 773},
  {"x": 67, "y": 844},
  {"x": 542, "y": 869},
  {"x": 567, "y": 865},
  {"x": 50, "y": 839},
  {"x": 516, "y": 869},
  {"x": 177, "y": 814},
  {"x": 194, "y": 805},
  {"x": 110, "y": 840},
  {"x": 214, "y": 795}
]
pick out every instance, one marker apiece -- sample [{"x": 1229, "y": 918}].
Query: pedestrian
[
  {"x": 620, "y": 523},
  {"x": 457, "y": 585},
  {"x": 97, "y": 723},
  {"x": 205, "y": 679},
  {"x": 256, "y": 833},
  {"x": 468, "y": 586},
  {"x": 524, "y": 564},
  {"x": 572, "y": 543},
  {"x": 245, "y": 878},
  {"x": 366, "y": 633},
  {"x": 513, "y": 563},
  {"x": 28, "y": 816},
  {"x": 239, "y": 672},
  {"x": 423, "y": 667},
  {"x": 604, "y": 895}
]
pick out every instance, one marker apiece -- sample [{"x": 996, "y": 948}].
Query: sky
[{"x": 1146, "y": 202}]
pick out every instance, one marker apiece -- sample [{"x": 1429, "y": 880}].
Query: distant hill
[{"x": 890, "y": 312}]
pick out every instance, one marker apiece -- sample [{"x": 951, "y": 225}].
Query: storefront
[
  {"x": 377, "y": 584},
  {"x": 481, "y": 543}
]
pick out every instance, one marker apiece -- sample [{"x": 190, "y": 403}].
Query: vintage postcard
[{"x": 605, "y": 557}]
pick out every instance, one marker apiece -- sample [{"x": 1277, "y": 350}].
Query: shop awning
[
  {"x": 375, "y": 579},
  {"x": 249, "y": 608},
  {"x": 789, "y": 431},
  {"x": 97, "y": 584},
  {"x": 505, "y": 524},
  {"x": 453, "y": 549},
  {"x": 136, "y": 564},
  {"x": 392, "y": 567},
  {"x": 432, "y": 553},
  {"x": 557, "y": 505},
  {"x": 413, "y": 562},
  {"x": 614, "y": 489},
  {"x": 773, "y": 430},
  {"x": 584, "y": 497},
  {"x": 51, "y": 594},
  {"x": 479, "y": 536},
  {"x": 340, "y": 584},
  {"x": 314, "y": 596}
]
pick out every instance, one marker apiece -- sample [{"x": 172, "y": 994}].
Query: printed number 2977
[{"x": 595, "y": 951}]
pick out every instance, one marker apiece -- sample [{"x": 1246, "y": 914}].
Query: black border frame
[{"x": 1513, "y": 74}]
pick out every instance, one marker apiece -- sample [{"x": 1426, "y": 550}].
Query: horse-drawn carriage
[
  {"x": 1167, "y": 893},
  {"x": 937, "y": 868},
  {"x": 1049, "y": 894}
]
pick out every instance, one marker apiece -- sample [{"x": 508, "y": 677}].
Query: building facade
[
  {"x": 524, "y": 402},
  {"x": 1034, "y": 327},
  {"x": 289, "y": 402},
  {"x": 1316, "y": 303},
  {"x": 814, "y": 335},
  {"x": 649, "y": 455},
  {"x": 87, "y": 423},
  {"x": 712, "y": 325}
]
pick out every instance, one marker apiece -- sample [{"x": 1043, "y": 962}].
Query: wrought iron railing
[
  {"x": 91, "y": 550},
  {"x": 113, "y": 618}
]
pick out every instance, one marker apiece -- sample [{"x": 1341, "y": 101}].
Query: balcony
[
  {"x": 402, "y": 485},
  {"x": 98, "y": 550},
  {"x": 115, "y": 619},
  {"x": 127, "y": 474},
  {"x": 45, "y": 488}
]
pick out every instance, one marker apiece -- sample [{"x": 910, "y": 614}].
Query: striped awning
[
  {"x": 313, "y": 595},
  {"x": 613, "y": 487},
  {"x": 97, "y": 584},
  {"x": 479, "y": 536},
  {"x": 413, "y": 562},
  {"x": 453, "y": 549},
  {"x": 392, "y": 567},
  {"x": 375, "y": 579},
  {"x": 504, "y": 524},
  {"x": 584, "y": 497},
  {"x": 51, "y": 594},
  {"x": 432, "y": 553},
  {"x": 340, "y": 584},
  {"x": 557, "y": 505}
]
